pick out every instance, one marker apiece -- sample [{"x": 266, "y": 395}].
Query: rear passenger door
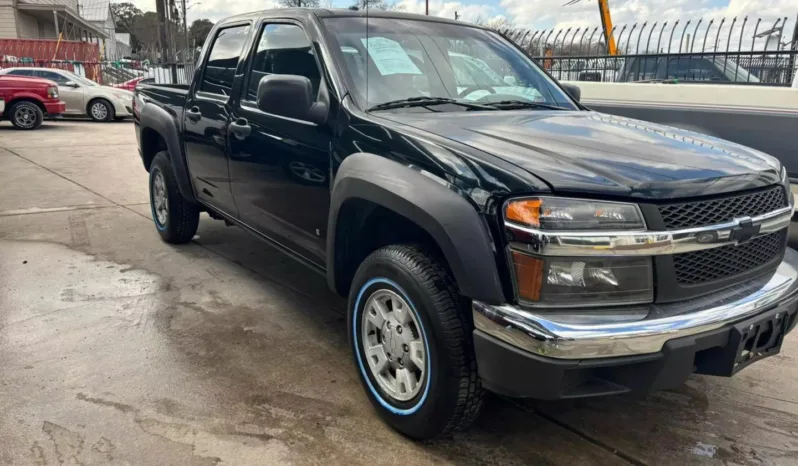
[
  {"x": 280, "y": 170},
  {"x": 207, "y": 115}
]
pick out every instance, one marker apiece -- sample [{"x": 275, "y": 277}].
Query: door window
[
  {"x": 283, "y": 49},
  {"x": 58, "y": 78},
  {"x": 693, "y": 69},
  {"x": 21, "y": 72},
  {"x": 220, "y": 68}
]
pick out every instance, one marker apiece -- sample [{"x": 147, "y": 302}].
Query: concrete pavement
[{"x": 116, "y": 348}]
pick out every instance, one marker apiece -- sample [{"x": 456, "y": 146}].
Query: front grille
[
  {"x": 697, "y": 267},
  {"x": 722, "y": 210}
]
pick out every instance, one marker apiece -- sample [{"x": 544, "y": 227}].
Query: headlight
[
  {"x": 575, "y": 282},
  {"x": 552, "y": 213},
  {"x": 578, "y": 281},
  {"x": 52, "y": 92}
]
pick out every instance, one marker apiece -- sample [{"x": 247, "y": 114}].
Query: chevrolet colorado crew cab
[{"x": 490, "y": 234}]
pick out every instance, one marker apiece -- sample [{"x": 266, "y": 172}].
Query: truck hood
[
  {"x": 30, "y": 81},
  {"x": 590, "y": 152}
]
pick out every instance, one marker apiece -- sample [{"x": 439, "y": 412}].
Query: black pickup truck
[{"x": 488, "y": 230}]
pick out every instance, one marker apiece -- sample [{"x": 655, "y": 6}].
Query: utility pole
[
  {"x": 160, "y": 10},
  {"x": 185, "y": 32},
  {"x": 427, "y": 7}
]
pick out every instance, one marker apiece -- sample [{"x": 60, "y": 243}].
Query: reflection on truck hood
[{"x": 588, "y": 152}]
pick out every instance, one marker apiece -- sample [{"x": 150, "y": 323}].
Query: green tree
[
  {"x": 299, "y": 3},
  {"x": 375, "y": 5},
  {"x": 199, "y": 30},
  {"x": 125, "y": 15}
]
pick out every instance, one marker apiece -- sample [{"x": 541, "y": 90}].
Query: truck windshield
[{"x": 389, "y": 60}]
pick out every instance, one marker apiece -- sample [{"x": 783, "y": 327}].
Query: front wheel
[
  {"x": 101, "y": 110},
  {"x": 26, "y": 115},
  {"x": 412, "y": 344}
]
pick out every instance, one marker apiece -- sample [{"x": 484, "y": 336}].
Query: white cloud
[
  {"x": 220, "y": 9},
  {"x": 483, "y": 12}
]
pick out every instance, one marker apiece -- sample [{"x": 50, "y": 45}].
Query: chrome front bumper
[{"x": 586, "y": 334}]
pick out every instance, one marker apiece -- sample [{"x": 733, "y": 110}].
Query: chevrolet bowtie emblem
[{"x": 745, "y": 231}]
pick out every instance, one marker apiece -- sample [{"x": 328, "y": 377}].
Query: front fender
[
  {"x": 454, "y": 223},
  {"x": 160, "y": 121},
  {"x": 25, "y": 95}
]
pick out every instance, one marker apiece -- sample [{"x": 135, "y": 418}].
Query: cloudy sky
[{"x": 543, "y": 14}]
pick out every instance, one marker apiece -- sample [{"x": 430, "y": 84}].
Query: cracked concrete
[{"x": 118, "y": 349}]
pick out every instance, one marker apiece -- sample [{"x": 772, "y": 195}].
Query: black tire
[
  {"x": 26, "y": 115},
  {"x": 109, "y": 113},
  {"x": 181, "y": 216},
  {"x": 451, "y": 398}
]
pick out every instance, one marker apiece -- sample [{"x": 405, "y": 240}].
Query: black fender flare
[
  {"x": 455, "y": 224},
  {"x": 162, "y": 122}
]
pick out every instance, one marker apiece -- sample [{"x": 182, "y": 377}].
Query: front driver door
[{"x": 280, "y": 170}]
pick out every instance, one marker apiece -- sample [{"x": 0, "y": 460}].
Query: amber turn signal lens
[
  {"x": 528, "y": 276},
  {"x": 525, "y": 211}
]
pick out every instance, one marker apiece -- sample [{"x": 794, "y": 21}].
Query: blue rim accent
[
  {"x": 374, "y": 392},
  {"x": 152, "y": 202}
]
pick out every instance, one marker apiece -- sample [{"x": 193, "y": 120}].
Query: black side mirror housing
[
  {"x": 573, "y": 90},
  {"x": 290, "y": 96}
]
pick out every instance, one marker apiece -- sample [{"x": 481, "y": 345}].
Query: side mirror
[
  {"x": 574, "y": 91},
  {"x": 71, "y": 84},
  {"x": 290, "y": 96},
  {"x": 510, "y": 80}
]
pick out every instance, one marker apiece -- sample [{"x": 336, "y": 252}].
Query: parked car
[
  {"x": 515, "y": 241},
  {"x": 690, "y": 68},
  {"x": 26, "y": 101},
  {"x": 83, "y": 96},
  {"x": 131, "y": 85}
]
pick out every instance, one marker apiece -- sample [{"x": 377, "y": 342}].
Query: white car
[{"x": 83, "y": 96}]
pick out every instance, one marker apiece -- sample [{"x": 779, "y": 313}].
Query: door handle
[
  {"x": 194, "y": 114},
  {"x": 240, "y": 129}
]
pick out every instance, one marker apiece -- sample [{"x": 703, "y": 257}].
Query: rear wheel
[
  {"x": 26, "y": 115},
  {"x": 176, "y": 219},
  {"x": 412, "y": 344},
  {"x": 101, "y": 110}
]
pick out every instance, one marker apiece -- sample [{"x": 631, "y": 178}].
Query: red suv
[{"x": 25, "y": 101}]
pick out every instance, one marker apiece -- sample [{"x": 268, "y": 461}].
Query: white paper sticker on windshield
[{"x": 389, "y": 56}]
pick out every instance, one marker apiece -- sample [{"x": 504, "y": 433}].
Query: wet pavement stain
[{"x": 145, "y": 353}]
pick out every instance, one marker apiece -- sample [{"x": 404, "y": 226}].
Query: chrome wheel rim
[
  {"x": 25, "y": 116},
  {"x": 307, "y": 172},
  {"x": 394, "y": 345},
  {"x": 159, "y": 198},
  {"x": 99, "y": 111}
]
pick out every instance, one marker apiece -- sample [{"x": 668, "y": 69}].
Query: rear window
[{"x": 223, "y": 60}]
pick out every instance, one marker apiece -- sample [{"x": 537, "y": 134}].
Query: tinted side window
[
  {"x": 693, "y": 69},
  {"x": 223, "y": 60},
  {"x": 21, "y": 72},
  {"x": 52, "y": 76},
  {"x": 283, "y": 49},
  {"x": 642, "y": 69}
]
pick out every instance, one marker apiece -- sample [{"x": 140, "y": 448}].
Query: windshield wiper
[
  {"x": 423, "y": 101},
  {"x": 518, "y": 104}
]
